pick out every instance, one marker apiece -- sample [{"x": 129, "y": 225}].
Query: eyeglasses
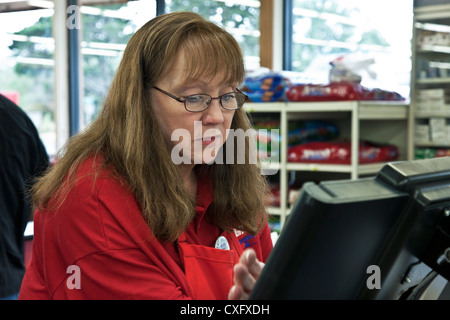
[{"x": 200, "y": 102}]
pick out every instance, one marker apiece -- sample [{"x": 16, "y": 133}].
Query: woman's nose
[{"x": 214, "y": 113}]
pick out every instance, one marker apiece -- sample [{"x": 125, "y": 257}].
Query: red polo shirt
[{"x": 99, "y": 229}]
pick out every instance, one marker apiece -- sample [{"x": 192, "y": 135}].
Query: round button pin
[{"x": 222, "y": 243}]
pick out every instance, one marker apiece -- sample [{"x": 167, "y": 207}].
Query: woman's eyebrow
[
  {"x": 200, "y": 85},
  {"x": 193, "y": 83},
  {"x": 189, "y": 84}
]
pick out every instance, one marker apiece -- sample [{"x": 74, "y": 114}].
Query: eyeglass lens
[{"x": 231, "y": 101}]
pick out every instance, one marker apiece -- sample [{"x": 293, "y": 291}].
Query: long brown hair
[{"x": 128, "y": 138}]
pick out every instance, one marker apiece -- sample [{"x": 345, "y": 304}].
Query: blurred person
[
  {"x": 22, "y": 158},
  {"x": 123, "y": 215}
]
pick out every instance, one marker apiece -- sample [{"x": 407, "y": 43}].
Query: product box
[
  {"x": 422, "y": 133},
  {"x": 429, "y": 101},
  {"x": 438, "y": 130}
]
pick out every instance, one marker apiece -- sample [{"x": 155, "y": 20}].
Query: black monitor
[{"x": 383, "y": 237}]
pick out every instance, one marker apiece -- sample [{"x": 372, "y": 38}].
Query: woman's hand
[{"x": 246, "y": 272}]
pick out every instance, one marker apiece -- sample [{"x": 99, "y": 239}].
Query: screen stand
[{"x": 432, "y": 286}]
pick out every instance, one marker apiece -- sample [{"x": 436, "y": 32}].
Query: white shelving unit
[
  {"x": 378, "y": 121},
  {"x": 430, "y": 80}
]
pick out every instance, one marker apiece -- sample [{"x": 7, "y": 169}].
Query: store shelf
[
  {"x": 318, "y": 167},
  {"x": 264, "y": 107},
  {"x": 274, "y": 211},
  {"x": 433, "y": 81},
  {"x": 433, "y": 144},
  {"x": 383, "y": 110},
  {"x": 320, "y": 106},
  {"x": 357, "y": 119},
  {"x": 433, "y": 49},
  {"x": 432, "y": 114},
  {"x": 430, "y": 79},
  {"x": 362, "y": 169}
]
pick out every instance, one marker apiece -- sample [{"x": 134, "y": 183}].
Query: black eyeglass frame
[{"x": 179, "y": 99}]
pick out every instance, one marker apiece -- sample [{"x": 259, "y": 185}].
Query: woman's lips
[{"x": 208, "y": 140}]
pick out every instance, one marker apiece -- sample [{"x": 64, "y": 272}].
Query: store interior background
[
  {"x": 58, "y": 58},
  {"x": 322, "y": 29}
]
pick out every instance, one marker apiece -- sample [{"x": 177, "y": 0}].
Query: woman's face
[{"x": 195, "y": 137}]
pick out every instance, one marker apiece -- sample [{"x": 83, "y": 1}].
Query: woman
[{"x": 118, "y": 219}]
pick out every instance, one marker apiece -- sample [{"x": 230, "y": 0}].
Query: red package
[
  {"x": 339, "y": 91},
  {"x": 274, "y": 197},
  {"x": 340, "y": 152}
]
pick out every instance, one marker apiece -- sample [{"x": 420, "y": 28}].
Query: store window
[
  {"x": 106, "y": 29},
  {"x": 26, "y": 53},
  {"x": 323, "y": 30},
  {"x": 240, "y": 18}
]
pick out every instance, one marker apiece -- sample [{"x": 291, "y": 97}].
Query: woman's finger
[{"x": 251, "y": 262}]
